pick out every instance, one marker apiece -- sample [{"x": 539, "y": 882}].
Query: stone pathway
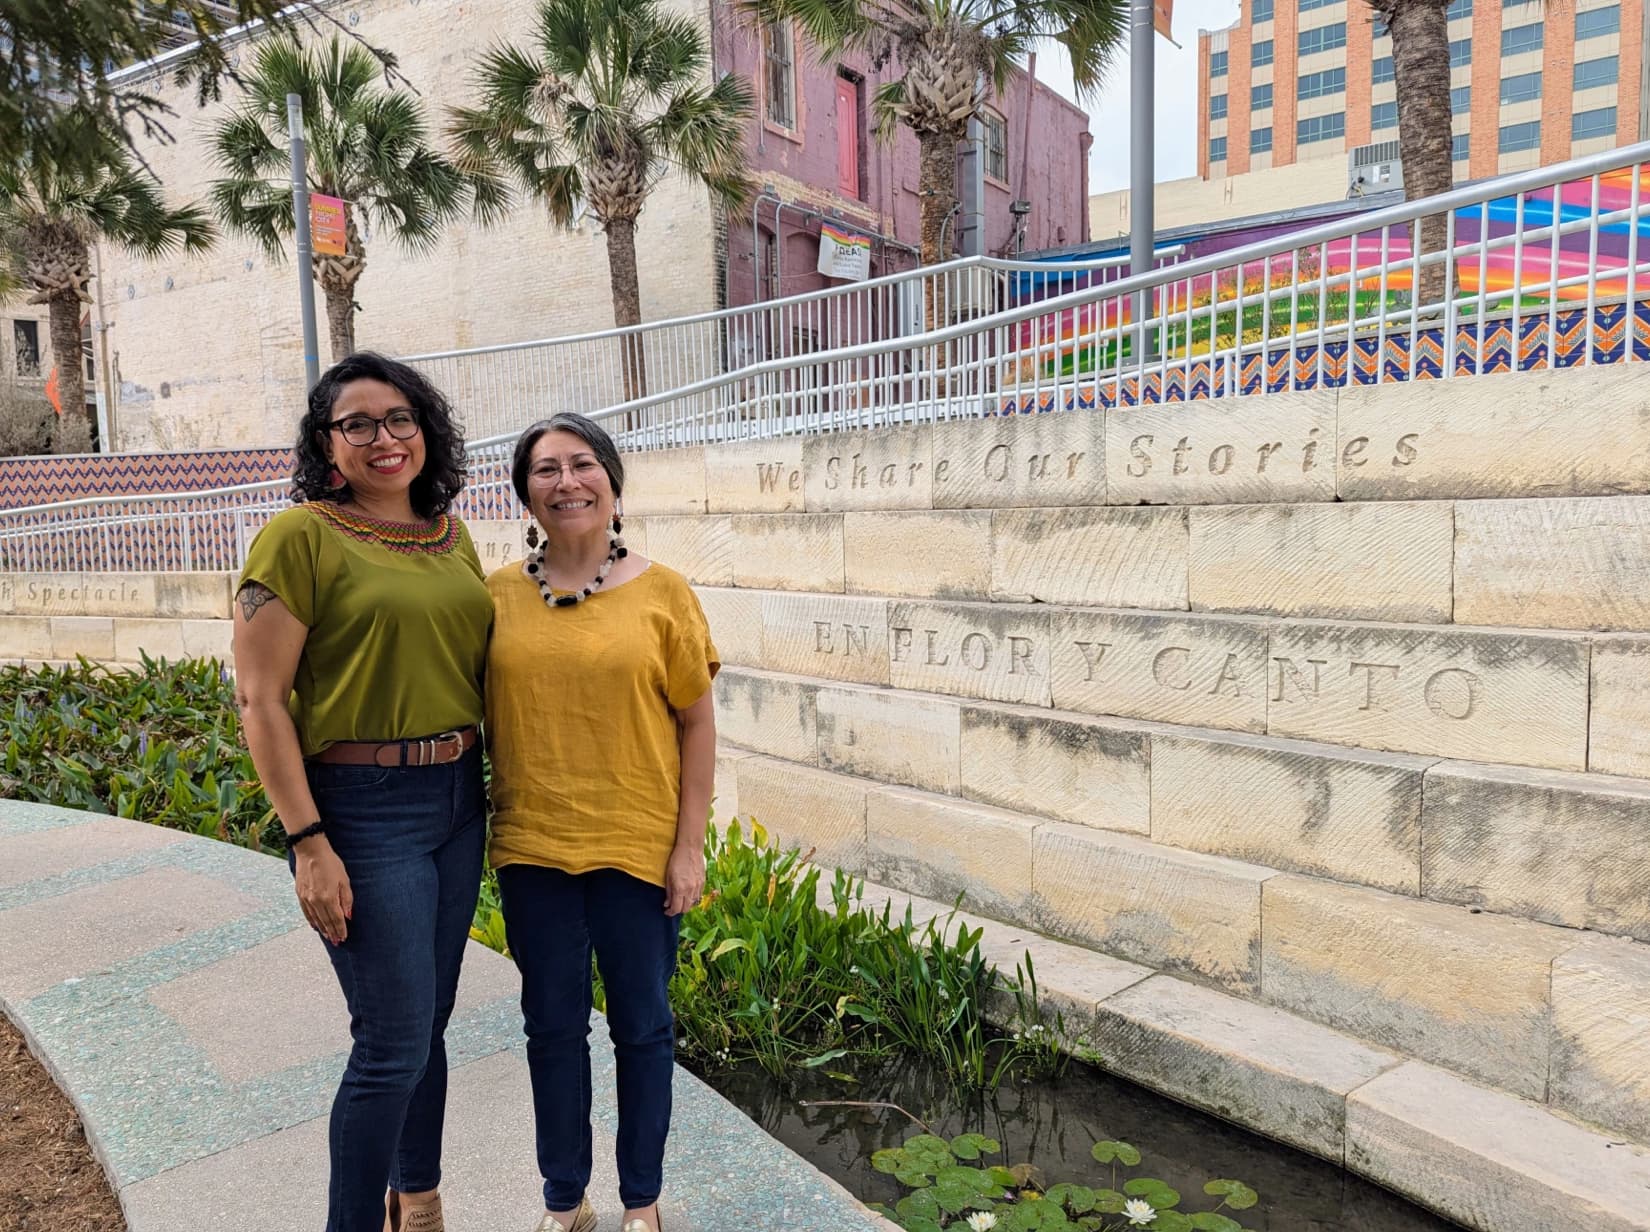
[{"x": 170, "y": 985}]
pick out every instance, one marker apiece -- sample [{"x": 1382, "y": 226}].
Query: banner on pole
[
  {"x": 327, "y": 234},
  {"x": 1163, "y": 18},
  {"x": 842, "y": 254}
]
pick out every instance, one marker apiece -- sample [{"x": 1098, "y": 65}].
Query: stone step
[
  {"x": 1483, "y": 1157},
  {"x": 1516, "y": 697},
  {"x": 1563, "y": 848},
  {"x": 1552, "y": 563},
  {"x": 112, "y": 639},
  {"x": 1579, "y": 432},
  {"x": 1541, "y": 1011}
]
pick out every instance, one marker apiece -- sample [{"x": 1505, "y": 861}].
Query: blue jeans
[
  {"x": 411, "y": 839},
  {"x": 554, "y": 920}
]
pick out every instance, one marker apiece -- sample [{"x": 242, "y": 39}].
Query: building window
[
  {"x": 1321, "y": 128},
  {"x": 1458, "y": 8},
  {"x": 1260, "y": 140},
  {"x": 996, "y": 146},
  {"x": 1384, "y": 70},
  {"x": 1217, "y": 107},
  {"x": 1319, "y": 85},
  {"x": 1260, "y": 55},
  {"x": 778, "y": 50},
  {"x": 1460, "y": 100},
  {"x": 1460, "y": 145},
  {"x": 1521, "y": 39},
  {"x": 1322, "y": 38},
  {"x": 1515, "y": 137},
  {"x": 1217, "y": 149},
  {"x": 1383, "y": 115},
  {"x": 1524, "y": 88},
  {"x": 1600, "y": 72},
  {"x": 1600, "y": 123},
  {"x": 1595, "y": 22},
  {"x": 1306, "y": 6},
  {"x": 1260, "y": 10},
  {"x": 1217, "y": 64},
  {"x": 25, "y": 342},
  {"x": 1260, "y": 97},
  {"x": 1460, "y": 53}
]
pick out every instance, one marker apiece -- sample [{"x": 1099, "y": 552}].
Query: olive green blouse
[{"x": 397, "y": 644}]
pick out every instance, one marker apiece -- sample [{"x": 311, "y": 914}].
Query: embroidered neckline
[{"x": 436, "y": 537}]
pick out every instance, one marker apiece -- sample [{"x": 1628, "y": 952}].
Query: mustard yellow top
[
  {"x": 587, "y": 768},
  {"x": 397, "y": 635}
]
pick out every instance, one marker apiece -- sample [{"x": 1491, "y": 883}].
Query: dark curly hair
[
  {"x": 437, "y": 484},
  {"x": 581, "y": 426}
]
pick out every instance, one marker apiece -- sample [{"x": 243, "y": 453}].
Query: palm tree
[
  {"x": 952, "y": 52},
  {"x": 50, "y": 215},
  {"x": 610, "y": 96},
  {"x": 367, "y": 146},
  {"x": 1420, "y": 64}
]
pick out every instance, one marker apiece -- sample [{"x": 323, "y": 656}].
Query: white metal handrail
[{"x": 1316, "y": 300}]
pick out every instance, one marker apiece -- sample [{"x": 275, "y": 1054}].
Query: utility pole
[
  {"x": 306, "y": 261},
  {"x": 1142, "y": 131}
]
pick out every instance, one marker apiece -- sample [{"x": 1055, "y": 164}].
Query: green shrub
[{"x": 160, "y": 744}]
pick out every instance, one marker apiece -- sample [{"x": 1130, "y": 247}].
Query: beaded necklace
[
  {"x": 534, "y": 564},
  {"x": 436, "y": 537}
]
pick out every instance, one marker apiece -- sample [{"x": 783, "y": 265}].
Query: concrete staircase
[{"x": 1302, "y": 739}]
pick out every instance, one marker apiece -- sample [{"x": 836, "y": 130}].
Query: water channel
[{"x": 1052, "y": 1123}]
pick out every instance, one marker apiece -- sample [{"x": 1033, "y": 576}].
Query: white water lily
[
  {"x": 981, "y": 1220},
  {"x": 1138, "y": 1212}
]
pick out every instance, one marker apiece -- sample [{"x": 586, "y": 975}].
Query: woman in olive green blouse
[{"x": 361, "y": 630}]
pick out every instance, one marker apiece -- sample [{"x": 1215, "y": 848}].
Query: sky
[{"x": 1176, "y": 93}]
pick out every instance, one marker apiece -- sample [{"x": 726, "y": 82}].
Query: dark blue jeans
[
  {"x": 411, "y": 840},
  {"x": 554, "y": 920}
]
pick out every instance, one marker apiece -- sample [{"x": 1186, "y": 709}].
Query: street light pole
[
  {"x": 300, "y": 216},
  {"x": 1142, "y": 129}
]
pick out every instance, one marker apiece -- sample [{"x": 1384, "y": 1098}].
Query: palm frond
[{"x": 887, "y": 108}]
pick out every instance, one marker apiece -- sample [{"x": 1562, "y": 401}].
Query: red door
[{"x": 847, "y": 137}]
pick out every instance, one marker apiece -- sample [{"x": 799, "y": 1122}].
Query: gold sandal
[
  {"x": 426, "y": 1217},
  {"x": 640, "y": 1225},
  {"x": 584, "y": 1220}
]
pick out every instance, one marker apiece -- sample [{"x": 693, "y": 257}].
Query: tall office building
[{"x": 1531, "y": 83}]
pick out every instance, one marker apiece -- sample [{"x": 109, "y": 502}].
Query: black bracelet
[{"x": 309, "y": 831}]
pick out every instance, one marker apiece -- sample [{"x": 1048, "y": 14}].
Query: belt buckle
[{"x": 439, "y": 744}]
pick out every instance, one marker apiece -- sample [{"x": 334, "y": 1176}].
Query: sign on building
[{"x": 842, "y": 254}]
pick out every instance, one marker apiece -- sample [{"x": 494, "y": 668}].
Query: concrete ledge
[{"x": 1490, "y": 1161}]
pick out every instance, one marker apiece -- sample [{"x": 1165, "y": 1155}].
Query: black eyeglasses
[{"x": 363, "y": 429}]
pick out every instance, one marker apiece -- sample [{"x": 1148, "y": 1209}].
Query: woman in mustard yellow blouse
[
  {"x": 603, "y": 739},
  {"x": 360, "y": 641}
]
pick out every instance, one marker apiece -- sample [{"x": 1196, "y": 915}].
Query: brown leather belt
[{"x": 425, "y": 751}]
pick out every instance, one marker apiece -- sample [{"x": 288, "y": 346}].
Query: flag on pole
[
  {"x": 53, "y": 394},
  {"x": 1163, "y": 17}
]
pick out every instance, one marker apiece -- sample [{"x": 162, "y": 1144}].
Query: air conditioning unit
[{"x": 1374, "y": 168}]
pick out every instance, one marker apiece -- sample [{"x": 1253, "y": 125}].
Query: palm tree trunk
[
  {"x": 1420, "y": 61},
  {"x": 340, "y": 321},
  {"x": 73, "y": 430},
  {"x": 627, "y": 303},
  {"x": 937, "y": 190}
]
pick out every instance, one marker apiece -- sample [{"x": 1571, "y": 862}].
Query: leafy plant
[{"x": 951, "y": 1188}]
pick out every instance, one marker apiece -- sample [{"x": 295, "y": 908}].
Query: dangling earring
[
  {"x": 618, "y": 514},
  {"x": 532, "y": 532},
  {"x": 335, "y": 479}
]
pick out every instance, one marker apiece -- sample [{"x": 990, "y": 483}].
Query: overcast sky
[{"x": 1176, "y": 98}]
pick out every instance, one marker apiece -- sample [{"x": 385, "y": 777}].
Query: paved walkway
[{"x": 171, "y": 986}]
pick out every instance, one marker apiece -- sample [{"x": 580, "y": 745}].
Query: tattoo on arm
[{"x": 253, "y": 596}]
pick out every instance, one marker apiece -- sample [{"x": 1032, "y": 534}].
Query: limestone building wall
[{"x": 209, "y": 351}]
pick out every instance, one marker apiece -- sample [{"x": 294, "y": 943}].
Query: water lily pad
[
  {"x": 1154, "y": 1191},
  {"x": 972, "y": 1146},
  {"x": 889, "y": 1161},
  {"x": 913, "y": 1177},
  {"x": 1108, "y": 1151},
  {"x": 1109, "y": 1201},
  {"x": 1214, "y": 1221},
  {"x": 1238, "y": 1195},
  {"x": 1002, "y": 1176},
  {"x": 919, "y": 1205},
  {"x": 1077, "y": 1199},
  {"x": 1170, "y": 1221}
]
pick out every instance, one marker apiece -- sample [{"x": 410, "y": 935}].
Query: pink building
[{"x": 812, "y": 149}]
